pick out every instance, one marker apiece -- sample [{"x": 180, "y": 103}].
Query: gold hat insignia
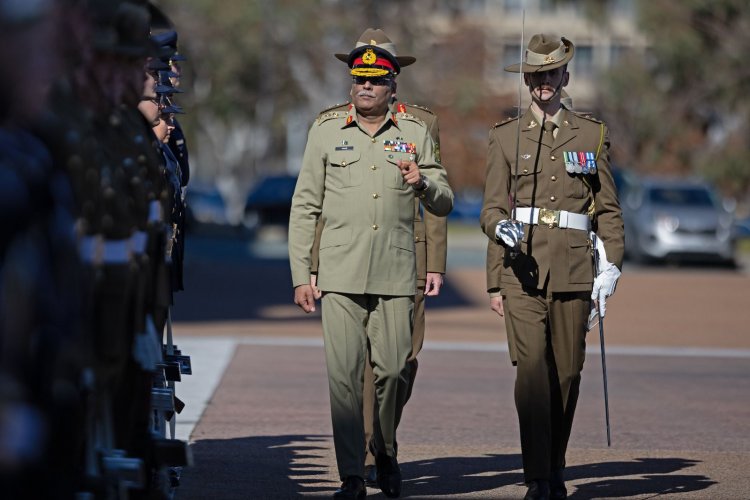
[{"x": 369, "y": 57}]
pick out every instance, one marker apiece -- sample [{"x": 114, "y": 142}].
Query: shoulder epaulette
[
  {"x": 343, "y": 106},
  {"x": 423, "y": 108},
  {"x": 505, "y": 122},
  {"x": 411, "y": 117},
  {"x": 587, "y": 116},
  {"x": 337, "y": 111}
]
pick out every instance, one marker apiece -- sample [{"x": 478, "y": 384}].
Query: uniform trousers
[
  {"x": 550, "y": 342},
  {"x": 417, "y": 339},
  {"x": 351, "y": 323}
]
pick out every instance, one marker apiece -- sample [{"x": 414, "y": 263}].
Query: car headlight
[{"x": 668, "y": 222}]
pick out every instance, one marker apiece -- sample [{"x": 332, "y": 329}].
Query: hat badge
[
  {"x": 369, "y": 57},
  {"x": 549, "y": 59}
]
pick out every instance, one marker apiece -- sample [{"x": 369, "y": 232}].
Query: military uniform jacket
[
  {"x": 351, "y": 181},
  {"x": 558, "y": 258},
  {"x": 430, "y": 231}
]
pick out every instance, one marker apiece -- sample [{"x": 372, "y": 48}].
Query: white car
[{"x": 677, "y": 220}]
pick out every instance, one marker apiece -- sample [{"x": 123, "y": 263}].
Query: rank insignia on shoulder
[
  {"x": 580, "y": 162},
  {"x": 400, "y": 147}
]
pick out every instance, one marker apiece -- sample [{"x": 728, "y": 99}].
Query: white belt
[
  {"x": 553, "y": 218},
  {"x": 100, "y": 251}
]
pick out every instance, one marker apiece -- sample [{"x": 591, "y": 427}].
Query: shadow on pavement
[
  {"x": 655, "y": 478},
  {"x": 289, "y": 466},
  {"x": 256, "y": 467}
]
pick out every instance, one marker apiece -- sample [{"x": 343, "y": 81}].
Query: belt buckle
[{"x": 549, "y": 217}]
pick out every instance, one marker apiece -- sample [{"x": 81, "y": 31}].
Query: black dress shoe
[
  {"x": 557, "y": 490},
  {"x": 389, "y": 475},
  {"x": 538, "y": 490},
  {"x": 353, "y": 488},
  {"x": 371, "y": 476},
  {"x": 388, "y": 472}
]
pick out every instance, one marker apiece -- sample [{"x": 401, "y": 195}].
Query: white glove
[
  {"x": 510, "y": 233},
  {"x": 606, "y": 277}
]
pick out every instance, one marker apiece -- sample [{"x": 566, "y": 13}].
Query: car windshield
[{"x": 695, "y": 197}]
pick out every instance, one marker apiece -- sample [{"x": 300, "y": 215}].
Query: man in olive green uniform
[
  {"x": 360, "y": 173},
  {"x": 563, "y": 189},
  {"x": 430, "y": 242}
]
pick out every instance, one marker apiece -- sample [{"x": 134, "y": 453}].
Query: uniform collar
[
  {"x": 557, "y": 118},
  {"x": 351, "y": 115}
]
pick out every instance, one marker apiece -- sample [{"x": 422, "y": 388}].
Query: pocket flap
[
  {"x": 402, "y": 239},
  {"x": 343, "y": 158},
  {"x": 335, "y": 237}
]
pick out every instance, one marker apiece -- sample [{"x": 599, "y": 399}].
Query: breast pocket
[
  {"x": 345, "y": 169},
  {"x": 526, "y": 178},
  {"x": 392, "y": 176},
  {"x": 575, "y": 187}
]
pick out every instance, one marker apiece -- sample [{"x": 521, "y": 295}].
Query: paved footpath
[{"x": 679, "y": 384}]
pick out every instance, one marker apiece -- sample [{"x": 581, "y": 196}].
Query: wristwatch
[{"x": 423, "y": 183}]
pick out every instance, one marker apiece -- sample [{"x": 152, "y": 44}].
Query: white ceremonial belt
[
  {"x": 97, "y": 250},
  {"x": 553, "y": 218}
]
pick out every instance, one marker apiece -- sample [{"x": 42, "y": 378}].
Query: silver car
[{"x": 677, "y": 220}]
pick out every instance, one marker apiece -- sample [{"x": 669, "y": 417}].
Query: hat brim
[
  {"x": 532, "y": 68},
  {"x": 402, "y": 60}
]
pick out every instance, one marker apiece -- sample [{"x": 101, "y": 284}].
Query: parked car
[
  {"x": 742, "y": 228},
  {"x": 677, "y": 220},
  {"x": 269, "y": 201},
  {"x": 205, "y": 207}
]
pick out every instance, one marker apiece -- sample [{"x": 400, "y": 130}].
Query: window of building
[
  {"x": 513, "y": 6},
  {"x": 583, "y": 61}
]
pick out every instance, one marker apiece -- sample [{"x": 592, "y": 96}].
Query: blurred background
[{"x": 668, "y": 77}]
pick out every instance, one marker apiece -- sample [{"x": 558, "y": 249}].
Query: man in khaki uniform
[
  {"x": 563, "y": 189},
  {"x": 360, "y": 173},
  {"x": 430, "y": 242}
]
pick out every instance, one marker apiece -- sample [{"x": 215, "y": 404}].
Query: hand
[
  {"x": 410, "y": 172},
  {"x": 604, "y": 286},
  {"x": 510, "y": 233},
  {"x": 432, "y": 285},
  {"x": 313, "y": 283},
  {"x": 304, "y": 296},
  {"x": 496, "y": 304}
]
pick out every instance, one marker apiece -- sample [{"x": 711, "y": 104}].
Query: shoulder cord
[{"x": 591, "y": 212}]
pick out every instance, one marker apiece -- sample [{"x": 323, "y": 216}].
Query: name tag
[{"x": 344, "y": 148}]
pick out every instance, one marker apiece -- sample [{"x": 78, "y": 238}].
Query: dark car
[
  {"x": 270, "y": 201},
  {"x": 677, "y": 219},
  {"x": 205, "y": 206}
]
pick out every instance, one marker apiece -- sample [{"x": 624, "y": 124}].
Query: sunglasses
[{"x": 377, "y": 81}]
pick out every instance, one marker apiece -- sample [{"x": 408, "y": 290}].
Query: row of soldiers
[{"x": 93, "y": 170}]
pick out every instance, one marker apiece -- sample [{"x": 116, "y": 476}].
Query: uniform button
[
  {"x": 525, "y": 170},
  {"x": 375, "y": 195},
  {"x": 550, "y": 226},
  {"x": 552, "y": 198},
  {"x": 343, "y": 163},
  {"x": 373, "y": 167},
  {"x": 553, "y": 157},
  {"x": 553, "y": 178},
  {"x": 375, "y": 227},
  {"x": 372, "y": 140},
  {"x": 416, "y": 238}
]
